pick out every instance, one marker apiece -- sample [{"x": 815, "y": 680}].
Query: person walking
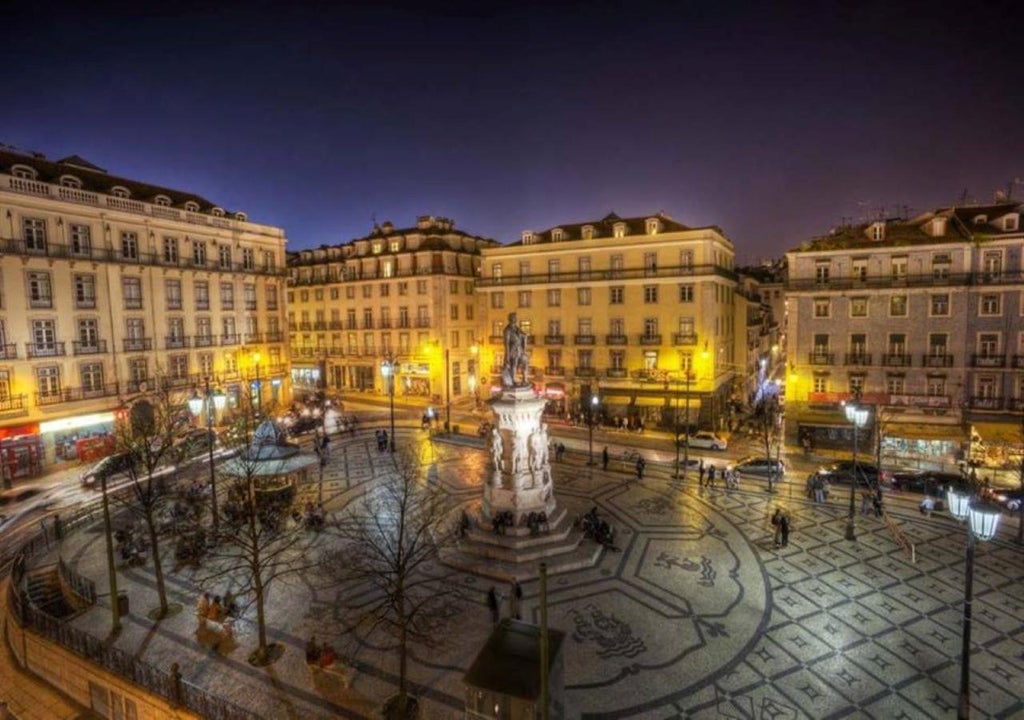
[
  {"x": 492, "y": 603},
  {"x": 876, "y": 501},
  {"x": 784, "y": 529},
  {"x": 604, "y": 458},
  {"x": 865, "y": 502},
  {"x": 777, "y": 527},
  {"x": 640, "y": 464},
  {"x": 700, "y": 472},
  {"x": 711, "y": 476},
  {"x": 203, "y": 609}
]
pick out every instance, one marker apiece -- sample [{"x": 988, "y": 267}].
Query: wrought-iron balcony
[
  {"x": 821, "y": 358},
  {"x": 273, "y": 336},
  {"x": 335, "y": 351},
  {"x": 857, "y": 358},
  {"x": 385, "y": 324},
  {"x": 422, "y": 322},
  {"x": 932, "y": 360},
  {"x": 133, "y": 303},
  {"x": 584, "y": 339},
  {"x": 230, "y": 339},
  {"x": 91, "y": 347},
  {"x": 616, "y": 372},
  {"x": 986, "y": 403},
  {"x": 44, "y": 349},
  {"x": 176, "y": 342},
  {"x": 202, "y": 304},
  {"x": 320, "y": 325},
  {"x": 1016, "y": 404},
  {"x": 554, "y": 371},
  {"x": 1018, "y": 361},
  {"x": 252, "y": 338},
  {"x": 307, "y": 326},
  {"x": 63, "y": 395},
  {"x": 250, "y": 305},
  {"x": 204, "y": 341},
  {"x": 336, "y": 325},
  {"x": 139, "y": 385},
  {"x": 8, "y": 351},
  {"x": 554, "y": 339},
  {"x": 12, "y": 402},
  {"x": 650, "y": 339},
  {"x": 584, "y": 371},
  {"x": 684, "y": 338},
  {"x": 988, "y": 360},
  {"x": 87, "y": 303},
  {"x": 616, "y": 340},
  {"x": 138, "y": 344},
  {"x": 896, "y": 360}
]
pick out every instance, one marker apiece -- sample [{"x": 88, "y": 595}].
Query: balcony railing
[
  {"x": 573, "y": 276},
  {"x": 616, "y": 372},
  {"x": 857, "y": 358},
  {"x": 920, "y": 280},
  {"x": 336, "y": 325},
  {"x": 204, "y": 341},
  {"x": 12, "y": 402},
  {"x": 932, "y": 360},
  {"x": 684, "y": 338},
  {"x": 85, "y": 303},
  {"x": 1018, "y": 361},
  {"x": 133, "y": 303},
  {"x": 821, "y": 358},
  {"x": 75, "y": 394},
  {"x": 253, "y": 338},
  {"x": 896, "y": 360},
  {"x": 584, "y": 339},
  {"x": 45, "y": 349},
  {"x": 986, "y": 403},
  {"x": 138, "y": 344},
  {"x": 616, "y": 340},
  {"x": 202, "y": 304},
  {"x": 8, "y": 351},
  {"x": 554, "y": 371},
  {"x": 422, "y": 322},
  {"x": 176, "y": 342},
  {"x": 250, "y": 305},
  {"x": 988, "y": 360},
  {"x": 584, "y": 371},
  {"x": 650, "y": 339},
  {"x": 306, "y": 326},
  {"x": 273, "y": 336},
  {"x": 93, "y": 347},
  {"x": 554, "y": 339},
  {"x": 230, "y": 339},
  {"x": 139, "y": 385}
]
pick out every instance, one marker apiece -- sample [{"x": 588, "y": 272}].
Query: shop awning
[
  {"x": 1008, "y": 433},
  {"x": 614, "y": 399},
  {"x": 822, "y": 419},
  {"x": 643, "y": 401},
  {"x": 924, "y": 431}
]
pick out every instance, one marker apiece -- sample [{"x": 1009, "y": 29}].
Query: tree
[
  {"x": 767, "y": 426},
  {"x": 257, "y": 544},
  {"x": 389, "y": 541},
  {"x": 147, "y": 435}
]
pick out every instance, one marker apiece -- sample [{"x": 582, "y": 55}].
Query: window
[
  {"x": 248, "y": 259},
  {"x": 129, "y": 246},
  {"x": 686, "y": 293},
  {"x": 171, "y": 250},
  {"x": 557, "y": 235},
  {"x": 249, "y": 296},
  {"x": 223, "y": 256},
  {"x": 204, "y": 331},
  {"x": 992, "y": 264},
  {"x": 350, "y": 293},
  {"x": 988, "y": 344},
  {"x": 272, "y": 297},
  {"x": 178, "y": 367},
  {"x": 35, "y": 235},
  {"x": 81, "y": 240},
  {"x": 858, "y": 307},
  {"x": 304, "y": 296},
  {"x": 202, "y": 293},
  {"x": 822, "y": 307},
  {"x": 619, "y": 230},
  {"x": 616, "y": 265},
  {"x": 384, "y": 290},
  {"x": 897, "y": 344},
  {"x": 617, "y": 327},
  {"x": 367, "y": 318},
  {"x": 686, "y": 259},
  {"x": 421, "y": 287},
  {"x": 899, "y": 268},
  {"x": 199, "y": 252},
  {"x": 616, "y": 295},
  {"x": 403, "y": 317},
  {"x": 555, "y": 327},
  {"x": 524, "y": 298},
  {"x": 856, "y": 384},
  {"x": 584, "y": 266},
  {"x": 583, "y": 296},
  {"x": 453, "y": 312},
  {"x": 85, "y": 291},
  {"x": 44, "y": 337},
  {"x": 227, "y": 296},
  {"x": 895, "y": 384},
  {"x": 48, "y": 382},
  {"x": 820, "y": 384},
  {"x": 938, "y": 344},
  {"x": 138, "y": 373},
  {"x": 367, "y": 291},
  {"x": 588, "y": 232},
  {"x": 227, "y": 327},
  {"x": 175, "y": 331},
  {"x": 650, "y": 327},
  {"x": 859, "y": 267},
  {"x": 132, "y": 289},
  {"x": 40, "y": 291},
  {"x": 821, "y": 344},
  {"x": 403, "y": 288},
  {"x": 650, "y": 264},
  {"x": 617, "y": 359},
  {"x": 940, "y": 305},
  {"x": 650, "y": 293},
  {"x": 821, "y": 270},
  {"x": 554, "y": 298},
  {"x": 898, "y": 306},
  {"x": 497, "y": 300},
  {"x": 92, "y": 377},
  {"x": 991, "y": 305},
  {"x": 935, "y": 387},
  {"x": 585, "y": 359},
  {"x": 453, "y": 287},
  {"x": 469, "y": 311},
  {"x": 553, "y": 269},
  {"x": 858, "y": 344},
  {"x": 24, "y": 172}
]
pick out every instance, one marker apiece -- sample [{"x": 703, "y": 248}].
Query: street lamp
[
  {"x": 387, "y": 369},
  {"x": 259, "y": 385},
  {"x": 858, "y": 417},
  {"x": 214, "y": 401},
  {"x": 681, "y": 474},
  {"x": 594, "y": 400},
  {"x": 447, "y": 392},
  {"x": 983, "y": 521}
]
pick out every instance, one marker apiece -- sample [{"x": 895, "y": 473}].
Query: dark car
[
  {"x": 926, "y": 482},
  {"x": 195, "y": 443},
  {"x": 116, "y": 464},
  {"x": 753, "y": 466},
  {"x": 304, "y": 424},
  {"x": 1009, "y": 499},
  {"x": 842, "y": 472}
]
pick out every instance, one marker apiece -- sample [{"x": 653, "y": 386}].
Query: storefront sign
[
  {"x": 410, "y": 368},
  {"x": 73, "y": 423},
  {"x": 933, "y": 401}
]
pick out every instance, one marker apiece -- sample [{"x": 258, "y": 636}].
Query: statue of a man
[
  {"x": 516, "y": 358},
  {"x": 496, "y": 448}
]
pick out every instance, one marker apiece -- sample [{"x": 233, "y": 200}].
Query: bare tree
[
  {"x": 767, "y": 426},
  {"x": 147, "y": 434},
  {"x": 258, "y": 543},
  {"x": 390, "y": 541}
]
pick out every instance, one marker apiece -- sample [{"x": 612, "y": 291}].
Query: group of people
[
  {"x": 312, "y": 516},
  {"x": 216, "y": 609},
  {"x": 781, "y": 526},
  {"x": 320, "y": 655},
  {"x": 818, "y": 488},
  {"x": 382, "y": 439},
  {"x": 598, "y": 529},
  {"x": 707, "y": 474},
  {"x": 131, "y": 546},
  {"x": 871, "y": 501}
]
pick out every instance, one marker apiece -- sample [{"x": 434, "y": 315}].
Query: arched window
[
  {"x": 241, "y": 216},
  {"x": 23, "y": 171},
  {"x": 192, "y": 206},
  {"x": 120, "y": 191},
  {"x": 162, "y": 201},
  {"x": 217, "y": 212},
  {"x": 70, "y": 181}
]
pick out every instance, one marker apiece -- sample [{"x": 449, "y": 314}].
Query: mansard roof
[{"x": 604, "y": 228}]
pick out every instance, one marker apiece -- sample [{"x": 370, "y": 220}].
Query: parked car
[
  {"x": 110, "y": 466},
  {"x": 304, "y": 424},
  {"x": 924, "y": 481},
  {"x": 195, "y": 442},
  {"x": 753, "y": 466},
  {"x": 842, "y": 472},
  {"x": 705, "y": 440},
  {"x": 1009, "y": 499}
]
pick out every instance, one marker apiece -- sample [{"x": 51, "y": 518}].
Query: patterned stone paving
[{"x": 696, "y": 615}]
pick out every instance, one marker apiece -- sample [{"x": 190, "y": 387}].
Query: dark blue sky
[{"x": 773, "y": 120}]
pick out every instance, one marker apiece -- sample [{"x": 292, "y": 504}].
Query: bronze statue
[{"x": 516, "y": 356}]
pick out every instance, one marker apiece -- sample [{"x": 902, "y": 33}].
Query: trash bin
[{"x": 122, "y": 604}]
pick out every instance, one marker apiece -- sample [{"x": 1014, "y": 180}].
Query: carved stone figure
[
  {"x": 496, "y": 448},
  {"x": 516, "y": 357},
  {"x": 537, "y": 447}
]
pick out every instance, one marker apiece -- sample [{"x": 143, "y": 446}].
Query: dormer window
[
  {"x": 395, "y": 245},
  {"x": 120, "y": 191},
  {"x": 241, "y": 216},
  {"x": 980, "y": 219},
  {"x": 619, "y": 230},
  {"x": 70, "y": 181},
  {"x": 162, "y": 201},
  {"x": 938, "y": 227},
  {"x": 377, "y": 247},
  {"x": 588, "y": 232},
  {"x": 24, "y": 172},
  {"x": 557, "y": 235},
  {"x": 877, "y": 231},
  {"x": 217, "y": 212},
  {"x": 527, "y": 237},
  {"x": 192, "y": 206},
  {"x": 653, "y": 225},
  {"x": 1011, "y": 222}
]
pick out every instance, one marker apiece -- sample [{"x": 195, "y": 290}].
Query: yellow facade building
[
  {"x": 110, "y": 288},
  {"x": 637, "y": 312}
]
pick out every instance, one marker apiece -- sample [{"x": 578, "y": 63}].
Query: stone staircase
[{"x": 46, "y": 593}]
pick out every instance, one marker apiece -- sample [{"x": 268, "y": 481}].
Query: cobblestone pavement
[{"x": 695, "y": 615}]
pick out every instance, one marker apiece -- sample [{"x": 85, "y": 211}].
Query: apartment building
[
  {"x": 404, "y": 294},
  {"x": 111, "y": 287},
  {"x": 639, "y": 312},
  {"x": 923, "y": 319}
]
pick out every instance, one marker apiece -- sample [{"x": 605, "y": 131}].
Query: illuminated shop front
[{"x": 82, "y": 438}]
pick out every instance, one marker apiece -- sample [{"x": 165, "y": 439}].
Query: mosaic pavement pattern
[{"x": 696, "y": 615}]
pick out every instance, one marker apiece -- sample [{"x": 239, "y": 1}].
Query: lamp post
[
  {"x": 983, "y": 521},
  {"x": 594, "y": 400},
  {"x": 681, "y": 473},
  {"x": 387, "y": 369},
  {"x": 259, "y": 385},
  {"x": 214, "y": 401},
  {"x": 447, "y": 392},
  {"x": 858, "y": 417},
  {"x": 115, "y": 598}
]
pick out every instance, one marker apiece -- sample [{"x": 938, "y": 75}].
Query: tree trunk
[
  {"x": 403, "y": 698},
  {"x": 158, "y": 568}
]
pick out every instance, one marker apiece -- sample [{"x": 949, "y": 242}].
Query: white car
[{"x": 705, "y": 440}]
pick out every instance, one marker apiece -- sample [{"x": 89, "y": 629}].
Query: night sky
[{"x": 775, "y": 121}]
